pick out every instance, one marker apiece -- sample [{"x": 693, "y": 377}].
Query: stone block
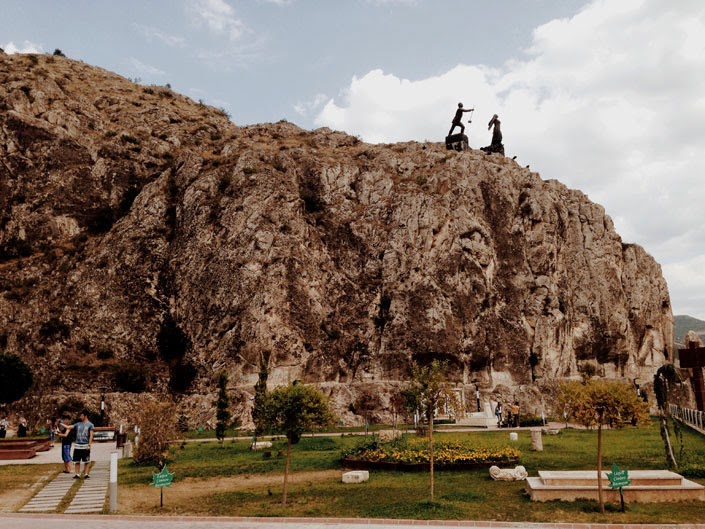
[
  {"x": 513, "y": 436},
  {"x": 356, "y": 476},
  {"x": 259, "y": 445},
  {"x": 457, "y": 142}
]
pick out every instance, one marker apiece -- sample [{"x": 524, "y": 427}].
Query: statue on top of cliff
[
  {"x": 496, "y": 145},
  {"x": 457, "y": 119}
]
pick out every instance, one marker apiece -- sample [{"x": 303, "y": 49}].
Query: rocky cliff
[{"x": 146, "y": 243}]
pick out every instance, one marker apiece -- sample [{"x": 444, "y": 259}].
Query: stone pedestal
[
  {"x": 356, "y": 476},
  {"x": 457, "y": 142},
  {"x": 647, "y": 486}
]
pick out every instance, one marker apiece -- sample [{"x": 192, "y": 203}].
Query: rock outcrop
[{"x": 147, "y": 243}]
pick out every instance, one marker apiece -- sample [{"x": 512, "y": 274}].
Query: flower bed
[{"x": 413, "y": 455}]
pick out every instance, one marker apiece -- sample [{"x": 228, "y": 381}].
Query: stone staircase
[{"x": 647, "y": 486}]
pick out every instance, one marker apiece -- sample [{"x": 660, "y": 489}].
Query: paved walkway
[
  {"x": 99, "y": 452},
  {"x": 90, "y": 497},
  {"x": 49, "y": 498}
]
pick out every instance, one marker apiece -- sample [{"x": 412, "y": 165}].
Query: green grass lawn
[{"x": 247, "y": 483}]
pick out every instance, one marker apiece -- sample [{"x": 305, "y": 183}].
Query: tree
[
  {"x": 157, "y": 423},
  {"x": 259, "y": 408},
  {"x": 15, "y": 378},
  {"x": 596, "y": 403},
  {"x": 222, "y": 413},
  {"x": 664, "y": 380},
  {"x": 430, "y": 387},
  {"x": 292, "y": 410}
]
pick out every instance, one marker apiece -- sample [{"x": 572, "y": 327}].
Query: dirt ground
[{"x": 187, "y": 492}]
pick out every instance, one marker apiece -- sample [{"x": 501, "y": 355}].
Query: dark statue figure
[
  {"x": 457, "y": 119},
  {"x": 496, "y": 145}
]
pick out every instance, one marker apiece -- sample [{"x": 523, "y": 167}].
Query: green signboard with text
[
  {"x": 162, "y": 479},
  {"x": 618, "y": 478}
]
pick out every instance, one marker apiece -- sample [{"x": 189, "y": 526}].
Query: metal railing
[{"x": 693, "y": 418}]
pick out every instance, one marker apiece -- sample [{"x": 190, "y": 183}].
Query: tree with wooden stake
[
  {"x": 596, "y": 403},
  {"x": 664, "y": 381},
  {"x": 292, "y": 410},
  {"x": 430, "y": 388}
]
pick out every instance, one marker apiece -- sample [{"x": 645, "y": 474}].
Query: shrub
[
  {"x": 59, "y": 53},
  {"x": 157, "y": 427},
  {"x": 445, "y": 453},
  {"x": 693, "y": 470},
  {"x": 128, "y": 138}
]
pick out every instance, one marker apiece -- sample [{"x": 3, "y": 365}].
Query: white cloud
[
  {"x": 218, "y": 17},
  {"x": 277, "y": 2},
  {"x": 304, "y": 108},
  {"x": 686, "y": 282},
  {"x": 25, "y": 47},
  {"x": 145, "y": 69},
  {"x": 610, "y": 101},
  {"x": 155, "y": 34},
  {"x": 391, "y": 2}
]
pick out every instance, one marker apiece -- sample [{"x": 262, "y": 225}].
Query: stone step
[
  {"x": 647, "y": 486},
  {"x": 589, "y": 477}
]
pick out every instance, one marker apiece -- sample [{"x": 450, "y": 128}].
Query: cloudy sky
[{"x": 606, "y": 96}]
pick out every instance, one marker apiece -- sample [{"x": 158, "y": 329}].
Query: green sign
[
  {"x": 618, "y": 478},
  {"x": 162, "y": 479}
]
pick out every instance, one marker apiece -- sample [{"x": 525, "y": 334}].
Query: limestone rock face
[{"x": 147, "y": 243}]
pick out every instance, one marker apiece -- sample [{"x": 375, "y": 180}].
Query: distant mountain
[{"x": 683, "y": 324}]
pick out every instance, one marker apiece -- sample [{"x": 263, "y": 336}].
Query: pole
[{"x": 113, "y": 481}]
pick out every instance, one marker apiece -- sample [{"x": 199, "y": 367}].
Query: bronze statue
[
  {"x": 496, "y": 145},
  {"x": 457, "y": 119}
]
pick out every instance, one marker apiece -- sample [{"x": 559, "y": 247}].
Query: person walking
[
  {"x": 498, "y": 414},
  {"x": 66, "y": 435},
  {"x": 83, "y": 439}
]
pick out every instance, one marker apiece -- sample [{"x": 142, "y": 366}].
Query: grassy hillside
[{"x": 683, "y": 324}]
